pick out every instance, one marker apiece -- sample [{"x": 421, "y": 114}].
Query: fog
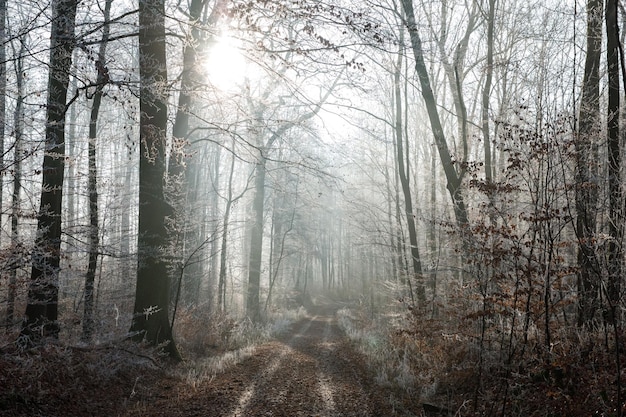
[{"x": 243, "y": 164}]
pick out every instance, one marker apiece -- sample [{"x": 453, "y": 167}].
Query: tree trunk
[
  {"x": 400, "y": 240},
  {"x": 452, "y": 177},
  {"x": 403, "y": 163},
  {"x": 391, "y": 225},
  {"x": 181, "y": 175},
  {"x": 256, "y": 242},
  {"x": 126, "y": 226},
  {"x": 94, "y": 231},
  {"x": 214, "y": 213},
  {"x": 42, "y": 309},
  {"x": 18, "y": 126},
  {"x": 486, "y": 98},
  {"x": 3, "y": 90},
  {"x": 615, "y": 256},
  {"x": 221, "y": 284},
  {"x": 586, "y": 151},
  {"x": 152, "y": 295}
]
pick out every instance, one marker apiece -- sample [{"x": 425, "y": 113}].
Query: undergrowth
[
  {"x": 416, "y": 361},
  {"x": 213, "y": 343},
  {"x": 443, "y": 361},
  {"x": 388, "y": 360},
  {"x": 57, "y": 379},
  {"x": 71, "y": 378}
]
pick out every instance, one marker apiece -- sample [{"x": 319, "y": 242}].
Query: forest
[{"x": 312, "y": 208}]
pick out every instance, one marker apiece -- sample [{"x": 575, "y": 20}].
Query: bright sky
[{"x": 226, "y": 66}]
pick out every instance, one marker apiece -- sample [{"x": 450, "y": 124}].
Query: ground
[{"x": 310, "y": 370}]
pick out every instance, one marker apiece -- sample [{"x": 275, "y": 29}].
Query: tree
[
  {"x": 616, "y": 218},
  {"x": 184, "y": 166},
  {"x": 152, "y": 295},
  {"x": 94, "y": 231},
  {"x": 453, "y": 176},
  {"x": 403, "y": 168},
  {"x": 586, "y": 155},
  {"x": 18, "y": 133},
  {"x": 3, "y": 90},
  {"x": 454, "y": 70},
  {"x": 42, "y": 309},
  {"x": 230, "y": 199},
  {"x": 486, "y": 94}
]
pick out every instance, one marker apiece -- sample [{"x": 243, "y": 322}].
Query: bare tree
[
  {"x": 152, "y": 296},
  {"x": 486, "y": 94},
  {"x": 586, "y": 171},
  {"x": 453, "y": 176},
  {"x": 3, "y": 91},
  {"x": 18, "y": 133},
  {"x": 184, "y": 167},
  {"x": 42, "y": 309},
  {"x": 403, "y": 163},
  {"x": 616, "y": 205},
  {"x": 102, "y": 80}
]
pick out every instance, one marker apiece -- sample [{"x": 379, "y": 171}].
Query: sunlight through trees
[{"x": 447, "y": 174}]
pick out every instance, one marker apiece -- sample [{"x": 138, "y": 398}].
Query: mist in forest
[{"x": 440, "y": 179}]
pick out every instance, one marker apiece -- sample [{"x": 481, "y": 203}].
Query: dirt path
[{"x": 311, "y": 371}]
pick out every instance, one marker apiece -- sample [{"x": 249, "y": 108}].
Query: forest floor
[
  {"x": 332, "y": 360},
  {"x": 311, "y": 369}
]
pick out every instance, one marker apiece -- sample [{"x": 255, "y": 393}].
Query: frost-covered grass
[
  {"x": 59, "y": 379},
  {"x": 391, "y": 362},
  {"x": 441, "y": 361},
  {"x": 204, "y": 369},
  {"x": 230, "y": 342},
  {"x": 246, "y": 333}
]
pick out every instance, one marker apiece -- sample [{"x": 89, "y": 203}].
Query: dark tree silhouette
[
  {"x": 586, "y": 152},
  {"x": 43, "y": 294},
  {"x": 152, "y": 294}
]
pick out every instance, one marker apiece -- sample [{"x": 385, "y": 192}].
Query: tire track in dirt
[
  {"x": 316, "y": 373},
  {"x": 252, "y": 388},
  {"x": 290, "y": 389},
  {"x": 313, "y": 371},
  {"x": 324, "y": 382},
  {"x": 339, "y": 377}
]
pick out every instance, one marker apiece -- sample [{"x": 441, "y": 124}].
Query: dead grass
[
  {"x": 116, "y": 377},
  {"x": 72, "y": 381},
  {"x": 441, "y": 360}
]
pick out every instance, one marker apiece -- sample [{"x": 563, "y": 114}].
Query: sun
[{"x": 225, "y": 65}]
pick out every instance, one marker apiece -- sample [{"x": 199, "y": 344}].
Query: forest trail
[{"x": 312, "y": 370}]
